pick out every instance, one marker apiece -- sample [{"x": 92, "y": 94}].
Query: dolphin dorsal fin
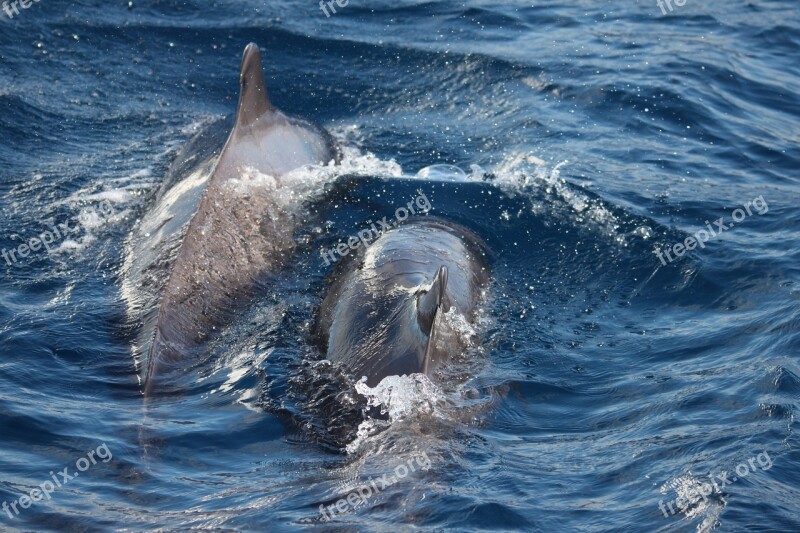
[
  {"x": 253, "y": 98},
  {"x": 428, "y": 305},
  {"x": 429, "y": 302}
]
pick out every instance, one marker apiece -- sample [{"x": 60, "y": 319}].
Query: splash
[
  {"x": 523, "y": 174},
  {"x": 459, "y": 323},
  {"x": 308, "y": 182},
  {"x": 519, "y": 173},
  {"x": 398, "y": 397},
  {"x": 401, "y": 396}
]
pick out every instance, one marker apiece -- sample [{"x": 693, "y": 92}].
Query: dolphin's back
[
  {"x": 218, "y": 231},
  {"x": 154, "y": 244}
]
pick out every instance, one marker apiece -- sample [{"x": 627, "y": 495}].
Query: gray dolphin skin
[
  {"x": 384, "y": 314},
  {"x": 222, "y": 222}
]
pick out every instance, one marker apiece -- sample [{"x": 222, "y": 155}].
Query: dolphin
[
  {"x": 393, "y": 309},
  {"x": 221, "y": 223}
]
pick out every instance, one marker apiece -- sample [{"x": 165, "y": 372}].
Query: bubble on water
[
  {"x": 443, "y": 173},
  {"x": 644, "y": 232}
]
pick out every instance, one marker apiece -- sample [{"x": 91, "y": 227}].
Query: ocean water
[{"x": 610, "y": 389}]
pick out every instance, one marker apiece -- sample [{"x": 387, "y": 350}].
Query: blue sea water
[{"x": 611, "y": 390}]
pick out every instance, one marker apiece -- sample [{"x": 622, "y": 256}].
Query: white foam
[
  {"x": 398, "y": 397},
  {"x": 292, "y": 189},
  {"x": 366, "y": 429},
  {"x": 401, "y": 396},
  {"x": 461, "y": 325},
  {"x": 520, "y": 172}
]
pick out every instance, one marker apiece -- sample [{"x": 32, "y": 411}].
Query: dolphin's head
[
  {"x": 384, "y": 313},
  {"x": 381, "y": 330}
]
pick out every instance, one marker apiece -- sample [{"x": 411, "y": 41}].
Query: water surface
[{"x": 607, "y": 384}]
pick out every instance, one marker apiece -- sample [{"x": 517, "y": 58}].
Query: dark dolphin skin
[
  {"x": 384, "y": 314},
  {"x": 220, "y": 224}
]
